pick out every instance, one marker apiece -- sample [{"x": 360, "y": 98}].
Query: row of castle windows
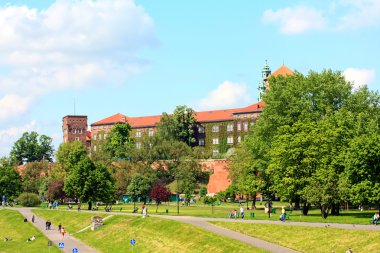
[
  {"x": 99, "y": 136},
  {"x": 230, "y": 127},
  {"x": 77, "y": 131}
]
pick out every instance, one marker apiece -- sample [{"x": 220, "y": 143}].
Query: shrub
[{"x": 29, "y": 199}]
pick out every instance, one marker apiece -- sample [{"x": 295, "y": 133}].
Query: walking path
[{"x": 69, "y": 242}]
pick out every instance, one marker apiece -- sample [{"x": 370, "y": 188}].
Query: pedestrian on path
[
  {"x": 33, "y": 219},
  {"x": 242, "y": 212},
  {"x": 59, "y": 228},
  {"x": 63, "y": 232}
]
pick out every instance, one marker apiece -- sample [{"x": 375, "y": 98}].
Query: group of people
[{"x": 234, "y": 214}]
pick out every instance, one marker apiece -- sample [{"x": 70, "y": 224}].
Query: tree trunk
[
  {"x": 253, "y": 203},
  {"x": 89, "y": 205},
  {"x": 297, "y": 205},
  {"x": 305, "y": 209},
  {"x": 335, "y": 209},
  {"x": 324, "y": 211},
  {"x": 156, "y": 207}
]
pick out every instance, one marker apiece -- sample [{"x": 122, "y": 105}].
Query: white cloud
[
  {"x": 359, "y": 77},
  {"x": 296, "y": 19},
  {"x": 227, "y": 94},
  {"x": 339, "y": 15},
  {"x": 13, "y": 105},
  {"x": 11, "y": 135},
  {"x": 71, "y": 45},
  {"x": 363, "y": 13}
]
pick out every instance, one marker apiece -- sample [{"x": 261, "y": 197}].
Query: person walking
[
  {"x": 33, "y": 219},
  {"x": 242, "y": 212},
  {"x": 59, "y": 228},
  {"x": 63, "y": 232}
]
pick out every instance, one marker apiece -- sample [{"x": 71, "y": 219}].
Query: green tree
[
  {"x": 90, "y": 182},
  {"x": 70, "y": 153},
  {"x": 10, "y": 180},
  {"x": 179, "y": 126},
  {"x": 139, "y": 187},
  {"x": 119, "y": 142},
  {"x": 31, "y": 148},
  {"x": 294, "y": 105}
]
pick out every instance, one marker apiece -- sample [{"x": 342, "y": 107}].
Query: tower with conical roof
[{"x": 265, "y": 73}]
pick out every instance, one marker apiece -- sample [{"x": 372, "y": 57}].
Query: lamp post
[{"x": 177, "y": 197}]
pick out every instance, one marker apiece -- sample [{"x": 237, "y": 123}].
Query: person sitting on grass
[
  {"x": 376, "y": 217},
  {"x": 31, "y": 239}
]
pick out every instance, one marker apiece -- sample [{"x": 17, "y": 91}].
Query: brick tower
[{"x": 74, "y": 128}]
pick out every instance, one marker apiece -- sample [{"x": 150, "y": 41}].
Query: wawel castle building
[{"x": 213, "y": 127}]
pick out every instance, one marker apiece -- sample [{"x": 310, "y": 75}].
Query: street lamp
[{"x": 177, "y": 197}]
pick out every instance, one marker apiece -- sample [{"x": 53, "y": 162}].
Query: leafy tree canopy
[
  {"x": 31, "y": 148},
  {"x": 119, "y": 142}
]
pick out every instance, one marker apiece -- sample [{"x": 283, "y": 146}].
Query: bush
[{"x": 29, "y": 199}]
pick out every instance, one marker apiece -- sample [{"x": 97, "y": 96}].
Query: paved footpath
[{"x": 69, "y": 242}]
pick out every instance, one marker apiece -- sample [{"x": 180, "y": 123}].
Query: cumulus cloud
[
  {"x": 70, "y": 45},
  {"x": 362, "y": 13},
  {"x": 11, "y": 135},
  {"x": 227, "y": 94},
  {"x": 298, "y": 19},
  {"x": 353, "y": 14},
  {"x": 359, "y": 77}
]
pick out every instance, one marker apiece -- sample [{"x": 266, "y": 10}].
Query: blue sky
[{"x": 145, "y": 57}]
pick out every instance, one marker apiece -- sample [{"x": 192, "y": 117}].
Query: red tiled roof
[
  {"x": 112, "y": 119},
  {"x": 283, "y": 71},
  {"x": 145, "y": 121},
  {"x": 252, "y": 108}
]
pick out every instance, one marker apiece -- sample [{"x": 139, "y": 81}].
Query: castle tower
[
  {"x": 74, "y": 128},
  {"x": 265, "y": 73}
]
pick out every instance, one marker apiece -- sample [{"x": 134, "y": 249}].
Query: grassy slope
[
  {"x": 310, "y": 239},
  {"x": 13, "y": 226},
  {"x": 151, "y": 234}
]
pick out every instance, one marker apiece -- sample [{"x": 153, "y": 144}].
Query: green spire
[{"x": 265, "y": 73}]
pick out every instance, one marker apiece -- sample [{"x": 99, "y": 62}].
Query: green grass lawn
[
  {"x": 13, "y": 226},
  {"x": 222, "y": 211},
  {"x": 310, "y": 239},
  {"x": 151, "y": 234}
]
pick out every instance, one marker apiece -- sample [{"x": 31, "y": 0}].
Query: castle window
[
  {"x": 201, "y": 142},
  {"x": 245, "y": 126},
  {"x": 138, "y": 134},
  {"x": 95, "y": 137},
  {"x": 77, "y": 138},
  {"x": 215, "y": 140},
  {"x": 238, "y": 126},
  {"x": 151, "y": 132},
  {"x": 105, "y": 135},
  {"x": 239, "y": 139},
  {"x": 230, "y": 139},
  {"x": 215, "y": 129},
  {"x": 74, "y": 130},
  {"x": 79, "y": 131},
  {"x": 138, "y": 145},
  {"x": 95, "y": 148},
  {"x": 201, "y": 129},
  {"x": 100, "y": 136},
  {"x": 230, "y": 127}
]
